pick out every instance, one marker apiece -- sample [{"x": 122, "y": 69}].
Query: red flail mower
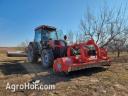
[{"x": 81, "y": 56}]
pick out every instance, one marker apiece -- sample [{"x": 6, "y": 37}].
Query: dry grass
[
  {"x": 114, "y": 54},
  {"x": 5, "y": 49},
  {"x": 89, "y": 82}
]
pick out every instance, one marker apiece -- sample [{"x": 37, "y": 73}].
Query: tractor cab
[
  {"x": 46, "y": 46},
  {"x": 45, "y": 33},
  {"x": 48, "y": 36}
]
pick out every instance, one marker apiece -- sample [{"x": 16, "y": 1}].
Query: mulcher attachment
[{"x": 81, "y": 56}]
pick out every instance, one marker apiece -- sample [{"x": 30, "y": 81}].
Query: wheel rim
[{"x": 45, "y": 59}]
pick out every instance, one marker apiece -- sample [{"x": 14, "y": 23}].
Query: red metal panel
[{"x": 82, "y": 60}]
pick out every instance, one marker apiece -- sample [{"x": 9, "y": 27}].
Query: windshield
[{"x": 49, "y": 35}]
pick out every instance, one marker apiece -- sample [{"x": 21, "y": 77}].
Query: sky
[{"x": 19, "y": 18}]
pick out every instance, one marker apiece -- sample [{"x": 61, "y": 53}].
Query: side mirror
[{"x": 65, "y": 37}]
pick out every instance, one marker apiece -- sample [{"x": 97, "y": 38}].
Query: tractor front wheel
[{"x": 47, "y": 58}]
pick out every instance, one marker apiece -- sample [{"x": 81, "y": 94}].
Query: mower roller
[{"x": 81, "y": 56}]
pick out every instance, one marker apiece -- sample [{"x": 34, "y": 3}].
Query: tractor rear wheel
[
  {"x": 47, "y": 58},
  {"x": 31, "y": 54}
]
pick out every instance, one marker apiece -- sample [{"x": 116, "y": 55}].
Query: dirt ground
[{"x": 87, "y": 82}]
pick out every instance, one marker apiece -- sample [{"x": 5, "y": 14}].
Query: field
[{"x": 112, "y": 81}]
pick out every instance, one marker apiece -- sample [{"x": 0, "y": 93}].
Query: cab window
[{"x": 37, "y": 36}]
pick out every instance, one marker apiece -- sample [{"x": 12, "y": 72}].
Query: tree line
[{"x": 107, "y": 26}]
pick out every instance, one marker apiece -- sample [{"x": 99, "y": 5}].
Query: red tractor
[
  {"x": 64, "y": 58},
  {"x": 46, "y": 46}
]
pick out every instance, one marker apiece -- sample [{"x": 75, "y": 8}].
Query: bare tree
[
  {"x": 71, "y": 37},
  {"x": 24, "y": 44},
  {"x": 118, "y": 45},
  {"x": 126, "y": 48},
  {"x": 75, "y": 37},
  {"x": 105, "y": 26},
  {"x": 60, "y": 34}
]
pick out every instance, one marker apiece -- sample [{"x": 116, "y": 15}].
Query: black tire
[
  {"x": 47, "y": 58},
  {"x": 31, "y": 54}
]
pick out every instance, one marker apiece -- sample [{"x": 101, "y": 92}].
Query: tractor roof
[{"x": 46, "y": 27}]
